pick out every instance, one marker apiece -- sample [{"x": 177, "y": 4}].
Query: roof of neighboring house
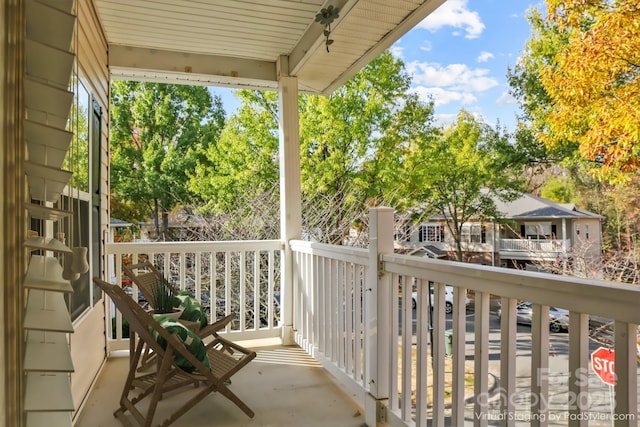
[
  {"x": 430, "y": 251},
  {"x": 115, "y": 222},
  {"x": 530, "y": 206}
]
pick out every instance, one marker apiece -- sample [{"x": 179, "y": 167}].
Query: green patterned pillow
[
  {"x": 192, "y": 309},
  {"x": 191, "y": 341}
]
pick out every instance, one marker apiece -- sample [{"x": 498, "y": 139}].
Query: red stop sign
[{"x": 603, "y": 364}]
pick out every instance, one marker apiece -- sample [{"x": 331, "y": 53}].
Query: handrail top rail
[
  {"x": 344, "y": 253},
  {"x": 192, "y": 246},
  {"x": 592, "y": 296}
]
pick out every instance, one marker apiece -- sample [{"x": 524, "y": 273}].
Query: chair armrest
[{"x": 216, "y": 326}]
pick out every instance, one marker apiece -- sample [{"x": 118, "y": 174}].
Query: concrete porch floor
[{"x": 283, "y": 386}]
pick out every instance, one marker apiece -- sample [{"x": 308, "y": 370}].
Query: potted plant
[{"x": 163, "y": 301}]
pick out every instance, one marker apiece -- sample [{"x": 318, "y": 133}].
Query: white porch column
[
  {"x": 290, "y": 192},
  {"x": 378, "y": 290}
]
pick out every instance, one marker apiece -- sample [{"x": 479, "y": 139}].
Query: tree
[
  {"x": 157, "y": 131},
  {"x": 458, "y": 174},
  {"x": 594, "y": 83},
  {"x": 352, "y": 146},
  {"x": 534, "y": 100},
  {"x": 243, "y": 164}
]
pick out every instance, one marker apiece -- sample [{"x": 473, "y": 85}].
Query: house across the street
[{"x": 531, "y": 231}]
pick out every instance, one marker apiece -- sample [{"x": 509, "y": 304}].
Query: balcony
[
  {"x": 344, "y": 311},
  {"x": 533, "y": 249}
]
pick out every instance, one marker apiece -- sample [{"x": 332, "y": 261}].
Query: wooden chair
[
  {"x": 169, "y": 375},
  {"x": 145, "y": 275}
]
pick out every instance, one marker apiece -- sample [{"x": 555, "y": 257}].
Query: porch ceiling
[{"x": 237, "y": 43}]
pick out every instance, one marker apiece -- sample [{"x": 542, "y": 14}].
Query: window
[
  {"x": 472, "y": 233},
  {"x": 537, "y": 230},
  {"x": 431, "y": 233},
  {"x": 83, "y": 195}
]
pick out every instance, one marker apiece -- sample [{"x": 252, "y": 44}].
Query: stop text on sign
[{"x": 603, "y": 364}]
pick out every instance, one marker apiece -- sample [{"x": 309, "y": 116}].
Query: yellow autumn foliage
[{"x": 595, "y": 83}]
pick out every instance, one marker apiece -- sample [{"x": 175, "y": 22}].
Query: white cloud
[
  {"x": 446, "y": 84},
  {"x": 454, "y": 13},
  {"x": 442, "y": 96},
  {"x": 454, "y": 76},
  {"x": 485, "y": 56},
  {"x": 397, "y": 51},
  {"x": 426, "y": 46},
  {"x": 444, "y": 120},
  {"x": 506, "y": 98}
]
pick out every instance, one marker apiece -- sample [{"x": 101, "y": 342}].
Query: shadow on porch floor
[{"x": 283, "y": 386}]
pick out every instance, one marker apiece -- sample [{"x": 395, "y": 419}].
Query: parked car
[
  {"x": 558, "y": 317},
  {"x": 448, "y": 298}
]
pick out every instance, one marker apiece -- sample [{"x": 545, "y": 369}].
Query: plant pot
[{"x": 177, "y": 312}]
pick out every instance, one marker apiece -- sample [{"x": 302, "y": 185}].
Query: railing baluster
[
  {"x": 326, "y": 280},
  {"x": 407, "y": 335},
  {"x": 183, "y": 270},
  {"x": 481, "y": 359},
  {"x": 578, "y": 367},
  {"x": 349, "y": 335},
  {"x": 458, "y": 349},
  {"x": 358, "y": 316},
  {"x": 243, "y": 291},
  {"x": 318, "y": 267},
  {"x": 422, "y": 349},
  {"x": 227, "y": 287},
  {"x": 439, "y": 324},
  {"x": 308, "y": 300},
  {"x": 341, "y": 304},
  {"x": 213, "y": 288},
  {"x": 198, "y": 276},
  {"x": 540, "y": 365},
  {"x": 394, "y": 403},
  {"x": 271, "y": 285},
  {"x": 508, "y": 338},
  {"x": 256, "y": 290},
  {"x": 626, "y": 388},
  {"x": 335, "y": 325}
]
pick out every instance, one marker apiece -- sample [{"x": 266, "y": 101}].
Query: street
[{"x": 597, "y": 404}]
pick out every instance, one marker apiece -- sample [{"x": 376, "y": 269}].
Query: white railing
[
  {"x": 329, "y": 309},
  {"x": 534, "y": 246},
  {"x": 245, "y": 273},
  {"x": 352, "y": 312},
  {"x": 388, "y": 367}
]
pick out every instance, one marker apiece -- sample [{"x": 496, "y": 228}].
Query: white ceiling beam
[
  {"x": 314, "y": 39},
  {"x": 169, "y": 66},
  {"x": 420, "y": 13}
]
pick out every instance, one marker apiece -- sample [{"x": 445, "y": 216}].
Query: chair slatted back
[
  {"x": 139, "y": 320},
  {"x": 145, "y": 275}
]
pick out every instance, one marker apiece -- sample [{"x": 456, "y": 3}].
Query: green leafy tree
[
  {"x": 157, "y": 133},
  {"x": 243, "y": 161},
  {"x": 458, "y": 174},
  {"x": 353, "y": 143},
  {"x": 559, "y": 189},
  {"x": 533, "y": 98}
]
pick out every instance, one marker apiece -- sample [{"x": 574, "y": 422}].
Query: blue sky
[{"x": 459, "y": 56}]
